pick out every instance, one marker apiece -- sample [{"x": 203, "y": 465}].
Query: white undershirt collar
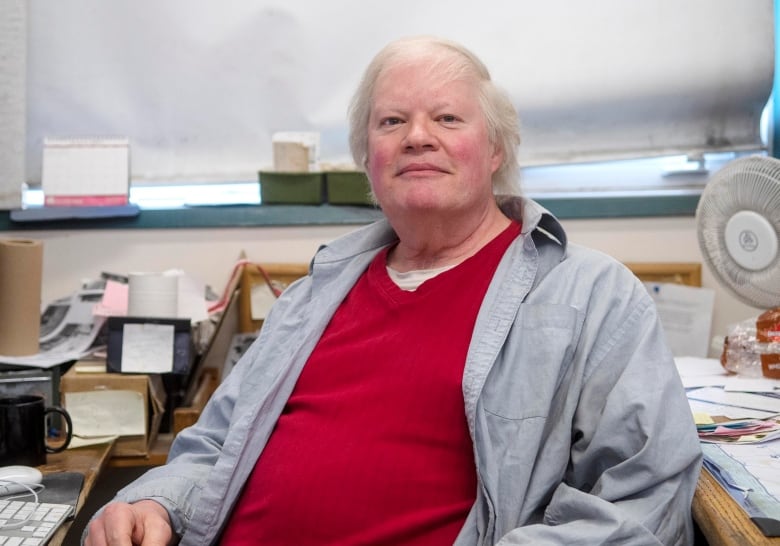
[{"x": 411, "y": 280}]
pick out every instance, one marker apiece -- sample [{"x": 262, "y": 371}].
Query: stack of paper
[
  {"x": 741, "y": 431},
  {"x": 738, "y": 420},
  {"x": 751, "y": 475}
]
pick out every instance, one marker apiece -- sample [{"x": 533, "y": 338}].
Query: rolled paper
[
  {"x": 153, "y": 295},
  {"x": 21, "y": 269}
]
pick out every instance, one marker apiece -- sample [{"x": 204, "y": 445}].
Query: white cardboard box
[{"x": 86, "y": 172}]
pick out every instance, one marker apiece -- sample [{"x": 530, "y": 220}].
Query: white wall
[
  {"x": 660, "y": 240},
  {"x": 208, "y": 254}
]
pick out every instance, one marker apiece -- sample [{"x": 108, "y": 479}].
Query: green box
[
  {"x": 348, "y": 188},
  {"x": 291, "y": 188}
]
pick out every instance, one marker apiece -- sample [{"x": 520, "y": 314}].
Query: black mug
[{"x": 23, "y": 430}]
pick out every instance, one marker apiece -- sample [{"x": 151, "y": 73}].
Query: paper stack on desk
[
  {"x": 751, "y": 475},
  {"x": 732, "y": 405},
  {"x": 740, "y": 431},
  {"x": 739, "y": 426}
]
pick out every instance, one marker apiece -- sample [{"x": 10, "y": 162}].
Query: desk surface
[
  {"x": 90, "y": 461},
  {"x": 157, "y": 455},
  {"x": 720, "y": 518},
  {"x": 722, "y": 521}
]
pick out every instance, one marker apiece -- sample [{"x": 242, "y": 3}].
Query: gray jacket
[{"x": 581, "y": 429}]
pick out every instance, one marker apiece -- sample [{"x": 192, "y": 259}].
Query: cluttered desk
[
  {"x": 42, "y": 501},
  {"x": 722, "y": 521},
  {"x": 88, "y": 461},
  {"x": 125, "y": 408},
  {"x": 737, "y": 499},
  {"x": 726, "y": 515}
]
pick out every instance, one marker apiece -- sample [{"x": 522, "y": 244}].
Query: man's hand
[{"x": 144, "y": 523}]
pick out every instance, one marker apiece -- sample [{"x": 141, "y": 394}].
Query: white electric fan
[{"x": 738, "y": 223}]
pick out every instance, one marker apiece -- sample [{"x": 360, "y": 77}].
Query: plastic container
[
  {"x": 752, "y": 347},
  {"x": 348, "y": 188},
  {"x": 291, "y": 188}
]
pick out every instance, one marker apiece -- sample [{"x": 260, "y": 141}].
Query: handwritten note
[
  {"x": 107, "y": 412},
  {"x": 147, "y": 348},
  {"x": 686, "y": 314}
]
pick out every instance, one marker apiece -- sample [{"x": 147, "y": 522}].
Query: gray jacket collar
[{"x": 369, "y": 239}]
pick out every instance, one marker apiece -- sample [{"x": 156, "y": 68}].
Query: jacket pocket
[{"x": 533, "y": 363}]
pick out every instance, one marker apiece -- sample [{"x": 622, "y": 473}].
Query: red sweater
[{"x": 372, "y": 446}]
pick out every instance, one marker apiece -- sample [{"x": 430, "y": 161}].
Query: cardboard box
[
  {"x": 296, "y": 151},
  {"x": 130, "y": 405}
]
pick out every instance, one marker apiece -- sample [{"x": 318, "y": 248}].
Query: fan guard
[{"x": 738, "y": 224}]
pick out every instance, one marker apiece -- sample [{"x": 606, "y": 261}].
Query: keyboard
[{"x": 27, "y": 523}]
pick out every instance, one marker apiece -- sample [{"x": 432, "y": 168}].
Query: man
[{"x": 457, "y": 373}]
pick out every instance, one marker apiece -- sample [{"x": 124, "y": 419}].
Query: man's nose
[{"x": 420, "y": 134}]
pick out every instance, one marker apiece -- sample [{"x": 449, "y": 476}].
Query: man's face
[{"x": 428, "y": 148}]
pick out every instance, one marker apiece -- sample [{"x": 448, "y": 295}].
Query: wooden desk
[
  {"x": 722, "y": 521},
  {"x": 88, "y": 460},
  {"x": 157, "y": 456}
]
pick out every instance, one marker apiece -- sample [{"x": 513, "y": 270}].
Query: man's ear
[{"x": 496, "y": 158}]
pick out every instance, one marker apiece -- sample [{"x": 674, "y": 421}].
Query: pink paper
[{"x": 114, "y": 302}]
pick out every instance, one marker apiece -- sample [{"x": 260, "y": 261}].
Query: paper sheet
[
  {"x": 114, "y": 302},
  {"x": 751, "y": 475},
  {"x": 752, "y": 384},
  {"x": 68, "y": 330},
  {"x": 262, "y": 300},
  {"x": 708, "y": 372},
  {"x": 701, "y": 408},
  {"x": 97, "y": 414},
  {"x": 147, "y": 348},
  {"x": 701, "y": 372},
  {"x": 743, "y": 400},
  {"x": 686, "y": 316},
  {"x": 78, "y": 441}
]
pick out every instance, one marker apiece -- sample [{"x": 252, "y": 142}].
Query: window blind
[
  {"x": 199, "y": 87},
  {"x": 12, "y": 101}
]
